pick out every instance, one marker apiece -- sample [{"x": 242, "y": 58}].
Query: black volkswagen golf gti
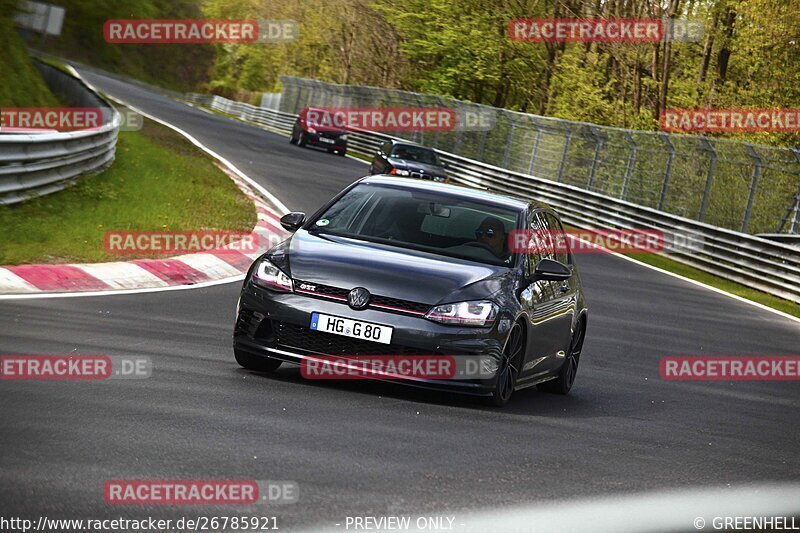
[{"x": 404, "y": 268}]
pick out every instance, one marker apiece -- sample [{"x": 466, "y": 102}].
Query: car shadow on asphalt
[{"x": 526, "y": 402}]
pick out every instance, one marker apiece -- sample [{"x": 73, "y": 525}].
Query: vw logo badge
[{"x": 358, "y": 298}]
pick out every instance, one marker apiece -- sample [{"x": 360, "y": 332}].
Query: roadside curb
[
  {"x": 221, "y": 264},
  {"x": 225, "y": 264}
]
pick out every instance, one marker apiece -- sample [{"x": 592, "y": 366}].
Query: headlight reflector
[
  {"x": 271, "y": 277},
  {"x": 475, "y": 313}
]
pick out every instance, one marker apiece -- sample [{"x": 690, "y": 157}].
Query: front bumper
[
  {"x": 322, "y": 140},
  {"x": 276, "y": 325}
]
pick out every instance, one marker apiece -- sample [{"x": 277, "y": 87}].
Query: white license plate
[
  {"x": 326, "y": 140},
  {"x": 352, "y": 328}
]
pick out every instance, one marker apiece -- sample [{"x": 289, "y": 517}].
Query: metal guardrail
[
  {"x": 762, "y": 264},
  {"x": 36, "y": 164},
  {"x": 726, "y": 183}
]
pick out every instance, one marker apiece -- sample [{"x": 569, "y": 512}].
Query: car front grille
[
  {"x": 383, "y": 303},
  {"x": 323, "y": 343}
]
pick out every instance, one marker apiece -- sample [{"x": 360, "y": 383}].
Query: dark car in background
[
  {"x": 425, "y": 268},
  {"x": 407, "y": 159},
  {"x": 307, "y": 131}
]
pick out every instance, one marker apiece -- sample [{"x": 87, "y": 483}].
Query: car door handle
[{"x": 564, "y": 286}]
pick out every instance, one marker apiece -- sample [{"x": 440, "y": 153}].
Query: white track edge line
[
  {"x": 118, "y": 292},
  {"x": 280, "y": 205},
  {"x": 277, "y": 203},
  {"x": 696, "y": 283},
  {"x": 625, "y": 257}
]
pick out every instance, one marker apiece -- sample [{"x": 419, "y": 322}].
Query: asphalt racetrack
[{"x": 361, "y": 448}]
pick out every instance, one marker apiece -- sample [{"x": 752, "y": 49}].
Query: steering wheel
[{"x": 480, "y": 245}]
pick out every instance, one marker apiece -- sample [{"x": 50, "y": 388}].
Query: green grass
[
  {"x": 726, "y": 285},
  {"x": 159, "y": 181},
  {"x": 667, "y": 264},
  {"x": 676, "y": 267},
  {"x": 23, "y": 85}
]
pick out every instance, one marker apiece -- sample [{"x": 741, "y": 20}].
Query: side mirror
[
  {"x": 293, "y": 221},
  {"x": 551, "y": 270},
  {"x": 445, "y": 164}
]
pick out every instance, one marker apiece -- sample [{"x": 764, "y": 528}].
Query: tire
[
  {"x": 254, "y": 362},
  {"x": 343, "y": 152},
  {"x": 292, "y": 140},
  {"x": 569, "y": 370},
  {"x": 507, "y": 372},
  {"x": 301, "y": 140}
]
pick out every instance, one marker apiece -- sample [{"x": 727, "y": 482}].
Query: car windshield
[
  {"x": 422, "y": 220},
  {"x": 416, "y": 153}
]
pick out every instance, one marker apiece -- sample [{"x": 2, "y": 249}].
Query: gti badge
[{"x": 358, "y": 298}]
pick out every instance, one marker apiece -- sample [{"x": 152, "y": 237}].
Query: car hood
[
  {"x": 433, "y": 170},
  {"x": 391, "y": 271}
]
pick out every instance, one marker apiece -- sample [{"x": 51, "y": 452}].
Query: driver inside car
[{"x": 492, "y": 234}]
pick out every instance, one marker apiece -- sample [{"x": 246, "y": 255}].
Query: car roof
[
  {"x": 453, "y": 190},
  {"x": 395, "y": 142}
]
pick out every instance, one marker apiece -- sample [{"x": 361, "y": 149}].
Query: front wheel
[
  {"x": 509, "y": 366},
  {"x": 254, "y": 362},
  {"x": 566, "y": 376},
  {"x": 301, "y": 140}
]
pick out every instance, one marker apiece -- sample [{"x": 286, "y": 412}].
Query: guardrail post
[
  {"x": 535, "y": 151},
  {"x": 631, "y": 161},
  {"x": 753, "y": 186},
  {"x": 796, "y": 218},
  {"x": 296, "y": 108},
  {"x": 563, "y": 161},
  {"x": 667, "y": 171},
  {"x": 482, "y": 145},
  {"x": 457, "y": 142},
  {"x": 436, "y": 134},
  {"x": 509, "y": 139},
  {"x": 598, "y": 145},
  {"x": 712, "y": 163}
]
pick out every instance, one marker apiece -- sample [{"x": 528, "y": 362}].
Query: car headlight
[
  {"x": 311, "y": 130},
  {"x": 343, "y": 137},
  {"x": 400, "y": 172},
  {"x": 476, "y": 313},
  {"x": 271, "y": 277}
]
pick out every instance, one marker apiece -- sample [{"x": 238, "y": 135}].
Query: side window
[
  {"x": 386, "y": 147},
  {"x": 539, "y": 249},
  {"x": 560, "y": 240}
]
